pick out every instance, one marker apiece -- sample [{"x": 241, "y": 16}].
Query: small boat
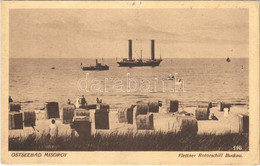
[
  {"x": 98, "y": 67},
  {"x": 228, "y": 59},
  {"x": 170, "y": 77}
]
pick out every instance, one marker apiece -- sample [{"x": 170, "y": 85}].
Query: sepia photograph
[{"x": 130, "y": 79}]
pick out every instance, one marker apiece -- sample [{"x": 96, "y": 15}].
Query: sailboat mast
[
  {"x": 141, "y": 50},
  {"x": 160, "y": 53}
]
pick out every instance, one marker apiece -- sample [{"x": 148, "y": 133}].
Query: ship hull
[
  {"x": 139, "y": 64},
  {"x": 95, "y": 68}
]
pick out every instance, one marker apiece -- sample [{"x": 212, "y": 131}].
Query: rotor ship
[{"x": 130, "y": 62}]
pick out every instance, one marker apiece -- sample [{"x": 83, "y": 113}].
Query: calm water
[{"x": 33, "y": 82}]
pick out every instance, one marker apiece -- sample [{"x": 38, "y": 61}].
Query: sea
[{"x": 196, "y": 80}]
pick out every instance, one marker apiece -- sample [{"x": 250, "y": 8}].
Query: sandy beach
[{"x": 162, "y": 122}]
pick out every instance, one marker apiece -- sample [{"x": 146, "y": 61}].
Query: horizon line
[{"x": 123, "y": 58}]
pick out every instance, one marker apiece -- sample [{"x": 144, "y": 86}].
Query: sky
[{"x": 104, "y": 33}]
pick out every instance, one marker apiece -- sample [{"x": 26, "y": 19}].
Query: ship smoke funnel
[
  {"x": 130, "y": 49},
  {"x": 152, "y": 49}
]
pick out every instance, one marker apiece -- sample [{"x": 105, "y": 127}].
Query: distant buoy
[{"x": 228, "y": 60}]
